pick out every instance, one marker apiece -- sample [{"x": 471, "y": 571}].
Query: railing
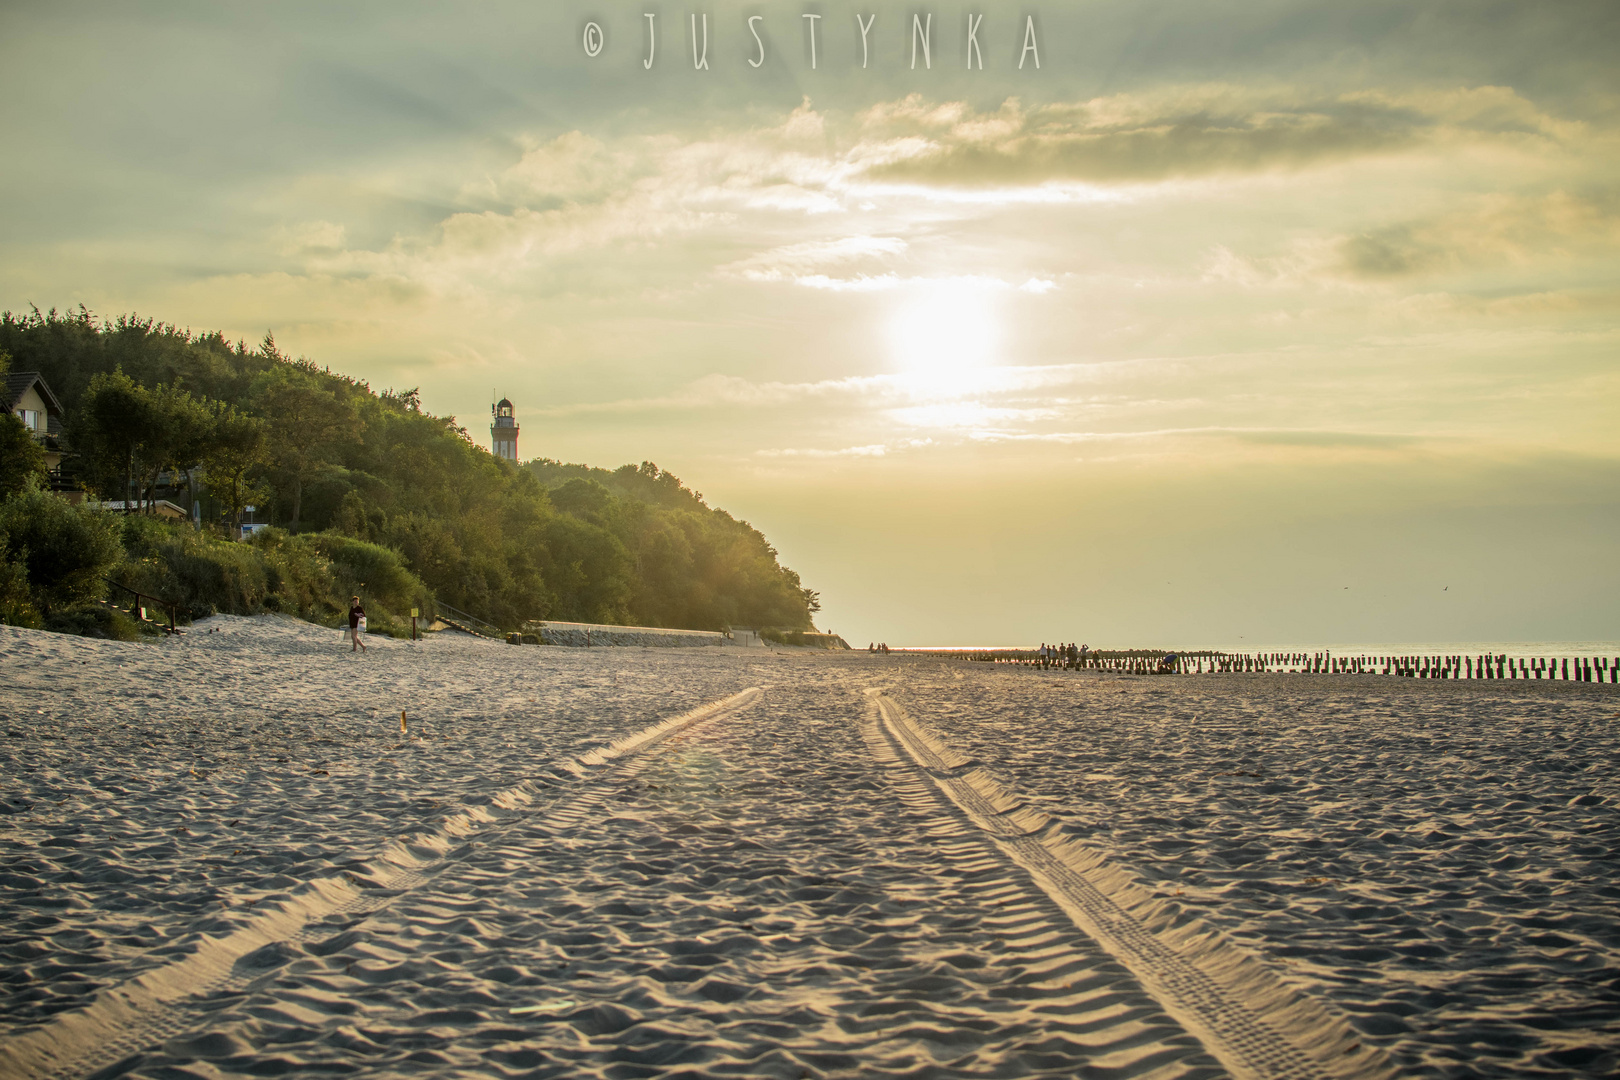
[
  {"x": 138, "y": 609},
  {"x": 470, "y": 623}
]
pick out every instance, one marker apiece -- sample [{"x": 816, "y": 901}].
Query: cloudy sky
[{"x": 1230, "y": 322}]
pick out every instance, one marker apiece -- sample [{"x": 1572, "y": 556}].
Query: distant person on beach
[{"x": 356, "y": 614}]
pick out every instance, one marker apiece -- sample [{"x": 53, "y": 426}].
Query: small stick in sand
[{"x": 402, "y": 721}]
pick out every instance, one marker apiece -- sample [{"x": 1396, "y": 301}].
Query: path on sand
[{"x": 613, "y": 863}]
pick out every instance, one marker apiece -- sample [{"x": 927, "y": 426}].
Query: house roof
[{"x": 18, "y": 382}]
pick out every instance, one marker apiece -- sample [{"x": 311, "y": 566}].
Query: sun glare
[{"x": 948, "y": 330}]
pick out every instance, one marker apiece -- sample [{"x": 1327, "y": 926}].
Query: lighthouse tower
[{"x": 503, "y": 431}]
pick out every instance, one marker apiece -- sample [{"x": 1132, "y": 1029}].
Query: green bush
[
  {"x": 54, "y": 557},
  {"x": 205, "y": 574},
  {"x": 21, "y": 459},
  {"x": 299, "y": 579},
  {"x": 377, "y": 570},
  {"x": 378, "y": 576},
  {"x": 310, "y": 576},
  {"x": 63, "y": 551},
  {"x": 201, "y": 574},
  {"x": 97, "y": 621},
  {"x": 16, "y": 603}
]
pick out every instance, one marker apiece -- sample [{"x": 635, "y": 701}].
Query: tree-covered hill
[{"x": 326, "y": 454}]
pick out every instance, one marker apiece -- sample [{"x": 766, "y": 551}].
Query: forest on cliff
[{"x": 359, "y": 478}]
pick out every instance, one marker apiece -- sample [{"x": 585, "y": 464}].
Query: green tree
[
  {"x": 108, "y": 428},
  {"x": 309, "y": 424},
  {"x": 22, "y": 460},
  {"x": 127, "y": 434},
  {"x": 588, "y": 570},
  {"x": 64, "y": 550},
  {"x": 180, "y": 431},
  {"x": 235, "y": 450}
]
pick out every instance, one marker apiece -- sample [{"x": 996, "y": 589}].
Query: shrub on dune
[
  {"x": 310, "y": 576},
  {"x": 199, "y": 573},
  {"x": 376, "y": 574},
  {"x": 63, "y": 552},
  {"x": 97, "y": 621}
]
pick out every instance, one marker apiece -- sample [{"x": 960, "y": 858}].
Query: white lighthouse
[{"x": 503, "y": 430}]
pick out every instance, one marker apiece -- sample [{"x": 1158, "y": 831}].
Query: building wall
[{"x": 29, "y": 406}]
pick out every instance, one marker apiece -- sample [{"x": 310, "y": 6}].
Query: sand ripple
[
  {"x": 1438, "y": 860},
  {"x": 756, "y": 894}
]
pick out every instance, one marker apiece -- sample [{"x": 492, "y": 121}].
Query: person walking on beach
[{"x": 357, "y": 615}]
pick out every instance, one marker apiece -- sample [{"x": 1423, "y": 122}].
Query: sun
[{"x": 946, "y": 329}]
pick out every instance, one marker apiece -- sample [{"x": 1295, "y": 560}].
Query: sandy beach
[{"x": 222, "y": 856}]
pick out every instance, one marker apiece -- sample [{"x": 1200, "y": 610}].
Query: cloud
[
  {"x": 666, "y": 213},
  {"x": 570, "y": 168},
  {"x": 725, "y": 391},
  {"x": 1478, "y": 234},
  {"x": 963, "y": 284},
  {"x": 874, "y": 450},
  {"x": 794, "y": 261},
  {"x": 1489, "y": 230},
  {"x": 1179, "y": 132},
  {"x": 891, "y": 390},
  {"x": 578, "y": 195},
  {"x": 969, "y": 414},
  {"x": 861, "y": 283},
  {"x": 311, "y": 237},
  {"x": 1297, "y": 437},
  {"x": 1371, "y": 440},
  {"x": 804, "y": 264}
]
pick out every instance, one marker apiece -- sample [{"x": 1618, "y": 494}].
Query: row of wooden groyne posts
[{"x": 1591, "y": 669}]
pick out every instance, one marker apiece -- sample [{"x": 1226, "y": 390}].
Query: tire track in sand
[
  {"x": 155, "y": 1005},
  {"x": 1255, "y": 1024}
]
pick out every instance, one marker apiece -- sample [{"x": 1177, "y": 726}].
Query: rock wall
[{"x": 582, "y": 635}]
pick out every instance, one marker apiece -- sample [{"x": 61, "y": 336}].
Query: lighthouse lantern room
[{"x": 503, "y": 430}]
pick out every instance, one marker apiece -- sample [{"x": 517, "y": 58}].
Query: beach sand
[{"x": 222, "y": 857}]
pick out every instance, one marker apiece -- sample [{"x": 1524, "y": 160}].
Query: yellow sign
[{"x": 413, "y": 613}]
